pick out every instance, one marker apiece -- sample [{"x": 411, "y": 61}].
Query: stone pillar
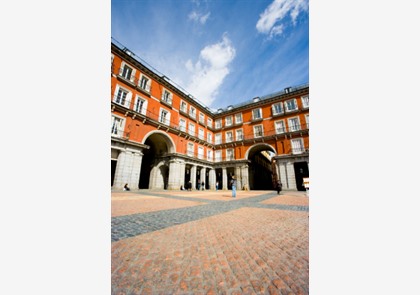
[
  {"x": 193, "y": 176},
  {"x": 128, "y": 169},
  {"x": 245, "y": 177},
  {"x": 225, "y": 179},
  {"x": 238, "y": 176},
  {"x": 290, "y": 170},
  {"x": 212, "y": 179},
  {"x": 174, "y": 174},
  {"x": 203, "y": 177}
]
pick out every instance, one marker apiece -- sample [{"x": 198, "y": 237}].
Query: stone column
[
  {"x": 238, "y": 176},
  {"x": 128, "y": 169},
  {"x": 225, "y": 179},
  {"x": 290, "y": 170},
  {"x": 245, "y": 177},
  {"x": 174, "y": 173},
  {"x": 212, "y": 179},
  {"x": 203, "y": 177},
  {"x": 193, "y": 176}
]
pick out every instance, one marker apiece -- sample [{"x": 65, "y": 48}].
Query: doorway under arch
[{"x": 260, "y": 167}]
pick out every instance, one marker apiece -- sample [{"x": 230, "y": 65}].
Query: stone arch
[
  {"x": 261, "y": 172},
  {"x": 162, "y": 135}
]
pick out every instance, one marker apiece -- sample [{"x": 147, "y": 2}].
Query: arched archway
[
  {"x": 154, "y": 169},
  {"x": 260, "y": 169}
]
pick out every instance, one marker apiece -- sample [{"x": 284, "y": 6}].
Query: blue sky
[{"x": 221, "y": 52}]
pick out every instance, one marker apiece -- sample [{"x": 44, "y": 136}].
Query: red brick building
[{"x": 162, "y": 137}]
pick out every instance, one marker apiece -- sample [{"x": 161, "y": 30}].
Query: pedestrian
[
  {"x": 233, "y": 183},
  {"x": 279, "y": 187},
  {"x": 202, "y": 185},
  {"x": 198, "y": 184},
  {"x": 217, "y": 185},
  {"x": 189, "y": 185},
  {"x": 126, "y": 188}
]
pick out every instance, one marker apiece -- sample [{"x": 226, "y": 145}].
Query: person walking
[
  {"x": 217, "y": 185},
  {"x": 279, "y": 187},
  {"x": 233, "y": 183},
  {"x": 202, "y": 186}
]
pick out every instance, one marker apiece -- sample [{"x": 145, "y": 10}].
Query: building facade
[{"x": 163, "y": 138}]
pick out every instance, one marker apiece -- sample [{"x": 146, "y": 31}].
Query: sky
[{"x": 221, "y": 52}]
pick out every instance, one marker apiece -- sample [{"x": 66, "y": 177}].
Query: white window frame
[
  {"x": 193, "y": 112},
  {"x": 275, "y": 111},
  {"x": 254, "y": 117},
  {"x": 164, "y": 119},
  {"x": 133, "y": 72},
  {"x": 238, "y": 118},
  {"x": 282, "y": 129},
  {"x": 228, "y": 136},
  {"x": 294, "y": 124},
  {"x": 126, "y": 100},
  {"x": 201, "y": 118},
  {"x": 209, "y": 155},
  {"x": 210, "y": 122},
  {"x": 142, "y": 110},
  {"x": 256, "y": 135},
  {"x": 145, "y": 86},
  {"x": 218, "y": 124},
  {"x": 191, "y": 129},
  {"x": 182, "y": 124},
  {"x": 167, "y": 96},
  {"x": 241, "y": 137},
  {"x": 307, "y": 120},
  {"x": 183, "y": 106},
  {"x": 190, "y": 149},
  {"x": 201, "y": 133},
  {"x": 298, "y": 146},
  {"x": 117, "y": 126},
  {"x": 287, "y": 106},
  {"x": 209, "y": 137},
  {"x": 230, "y": 154},
  {"x": 228, "y": 121},
  {"x": 200, "y": 152},
  {"x": 305, "y": 101},
  {"x": 218, "y": 138},
  {"x": 218, "y": 155}
]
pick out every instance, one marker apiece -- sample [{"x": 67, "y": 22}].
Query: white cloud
[
  {"x": 276, "y": 12},
  {"x": 198, "y": 17},
  {"x": 210, "y": 70}
]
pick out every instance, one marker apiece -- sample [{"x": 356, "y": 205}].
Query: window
[
  {"x": 164, "y": 117},
  {"x": 239, "y": 134},
  {"x": 144, "y": 83},
  {"x": 280, "y": 128},
  {"x": 218, "y": 138},
  {"x": 305, "y": 101},
  {"x": 294, "y": 124},
  {"x": 201, "y": 118},
  {"x": 258, "y": 131},
  {"x": 200, "y": 152},
  {"x": 201, "y": 133},
  {"x": 307, "y": 121},
  {"x": 218, "y": 123},
  {"x": 191, "y": 129},
  {"x": 209, "y": 155},
  {"x": 183, "y": 106},
  {"x": 229, "y": 136},
  {"x": 230, "y": 155},
  {"x": 228, "y": 121},
  {"x": 210, "y": 122},
  {"x": 256, "y": 114},
  {"x": 127, "y": 72},
  {"x": 117, "y": 126},
  {"x": 182, "y": 125},
  {"x": 290, "y": 105},
  {"x": 141, "y": 105},
  {"x": 122, "y": 96},
  {"x": 218, "y": 156},
  {"x": 193, "y": 113},
  {"x": 238, "y": 118},
  {"x": 297, "y": 146},
  {"x": 209, "y": 137},
  {"x": 190, "y": 149},
  {"x": 277, "y": 108},
  {"x": 167, "y": 96}
]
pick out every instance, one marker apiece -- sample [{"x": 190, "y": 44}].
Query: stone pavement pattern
[{"x": 236, "y": 247}]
